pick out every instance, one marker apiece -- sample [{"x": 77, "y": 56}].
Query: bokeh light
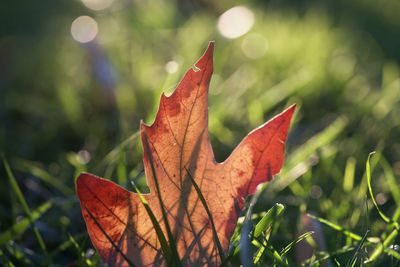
[
  {"x": 381, "y": 198},
  {"x": 315, "y": 192},
  {"x": 84, "y": 29},
  {"x": 171, "y": 66},
  {"x": 235, "y": 22},
  {"x": 83, "y": 156},
  {"x": 97, "y": 4}
]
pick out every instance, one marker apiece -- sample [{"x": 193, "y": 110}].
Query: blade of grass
[
  {"x": 363, "y": 185},
  {"x": 45, "y": 177},
  {"x": 348, "y": 179},
  {"x": 336, "y": 262},
  {"x": 275, "y": 255},
  {"x": 18, "y": 254},
  {"x": 337, "y": 227},
  {"x": 276, "y": 210},
  {"x": 63, "y": 246},
  {"x": 109, "y": 239},
  {"x": 112, "y": 156},
  {"x": 297, "y": 240},
  {"x": 368, "y": 172},
  {"x": 299, "y": 161},
  {"x": 391, "y": 252},
  {"x": 203, "y": 201},
  {"x": 161, "y": 237},
  {"x": 260, "y": 252},
  {"x": 82, "y": 259},
  {"x": 382, "y": 246},
  {"x": 235, "y": 241},
  {"x": 268, "y": 219},
  {"x": 393, "y": 184},
  {"x": 19, "y": 228},
  {"x": 174, "y": 252},
  {"x": 366, "y": 212},
  {"x": 354, "y": 258},
  {"x": 110, "y": 160},
  {"x": 121, "y": 169},
  {"x": 21, "y": 199},
  {"x": 327, "y": 256},
  {"x": 4, "y": 261},
  {"x": 264, "y": 248},
  {"x": 396, "y": 214},
  {"x": 245, "y": 235}
]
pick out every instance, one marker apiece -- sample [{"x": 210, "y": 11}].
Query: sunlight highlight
[
  {"x": 83, "y": 156},
  {"x": 84, "y": 29},
  {"x": 235, "y": 22},
  {"x": 171, "y": 66},
  {"x": 97, "y": 4}
]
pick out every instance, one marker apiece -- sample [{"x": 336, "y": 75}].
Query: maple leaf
[{"x": 177, "y": 151}]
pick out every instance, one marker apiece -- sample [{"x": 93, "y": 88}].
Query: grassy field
[{"x": 68, "y": 107}]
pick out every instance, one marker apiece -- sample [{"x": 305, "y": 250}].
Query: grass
[{"x": 61, "y": 118}]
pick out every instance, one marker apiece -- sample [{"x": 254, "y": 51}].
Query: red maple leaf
[{"x": 177, "y": 149}]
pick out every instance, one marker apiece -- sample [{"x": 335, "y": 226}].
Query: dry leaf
[{"x": 180, "y": 149}]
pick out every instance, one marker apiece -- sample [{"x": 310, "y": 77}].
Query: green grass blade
[
  {"x": 109, "y": 239},
  {"x": 268, "y": 219},
  {"x": 383, "y": 246},
  {"x": 82, "y": 259},
  {"x": 121, "y": 169},
  {"x": 393, "y": 184},
  {"x": 161, "y": 237},
  {"x": 337, "y": 227},
  {"x": 297, "y": 240},
  {"x": 336, "y": 262},
  {"x": 18, "y": 254},
  {"x": 353, "y": 260},
  {"x": 264, "y": 248},
  {"x": 368, "y": 172},
  {"x": 45, "y": 177},
  {"x": 4, "y": 261},
  {"x": 66, "y": 244},
  {"x": 203, "y": 201},
  {"x": 112, "y": 156},
  {"x": 171, "y": 238},
  {"x": 21, "y": 199},
  {"x": 111, "y": 159},
  {"x": 328, "y": 256},
  {"x": 299, "y": 161},
  {"x": 19, "y": 228},
  {"x": 275, "y": 255},
  {"x": 362, "y": 190},
  {"x": 396, "y": 214},
  {"x": 260, "y": 251},
  {"x": 348, "y": 179},
  {"x": 391, "y": 252}
]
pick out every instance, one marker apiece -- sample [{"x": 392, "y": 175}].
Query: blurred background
[{"x": 76, "y": 78}]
